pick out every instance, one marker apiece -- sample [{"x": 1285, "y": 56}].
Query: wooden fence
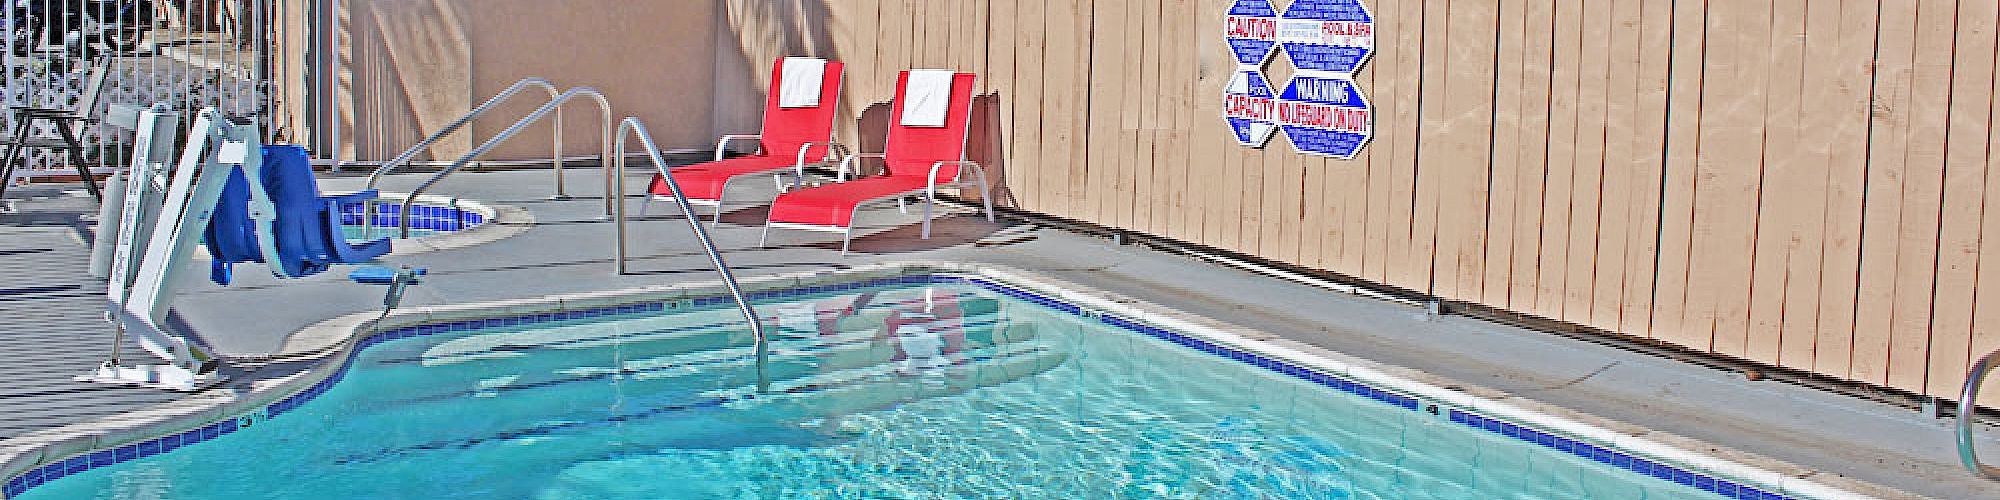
[{"x": 1796, "y": 183}]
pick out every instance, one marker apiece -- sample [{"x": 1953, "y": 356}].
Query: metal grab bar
[
  {"x": 632, "y": 126},
  {"x": 403, "y": 219},
  {"x": 401, "y": 159},
  {"x": 1967, "y": 409},
  {"x": 408, "y": 154}
]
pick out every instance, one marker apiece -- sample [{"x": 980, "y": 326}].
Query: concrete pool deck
[{"x": 568, "y": 249}]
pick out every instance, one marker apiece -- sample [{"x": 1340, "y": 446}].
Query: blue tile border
[
  {"x": 430, "y": 217},
  {"x": 49, "y": 472}
]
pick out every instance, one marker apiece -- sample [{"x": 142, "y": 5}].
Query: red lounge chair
[
  {"x": 790, "y": 135},
  {"x": 917, "y": 159}
]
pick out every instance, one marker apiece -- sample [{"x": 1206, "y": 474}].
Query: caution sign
[
  {"x": 1331, "y": 36},
  {"x": 1324, "y": 115},
  {"x": 1250, "y": 107},
  {"x": 1252, "y": 31}
]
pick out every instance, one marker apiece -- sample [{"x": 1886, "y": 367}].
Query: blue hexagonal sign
[
  {"x": 1324, "y": 115},
  {"x": 1252, "y": 31},
  {"x": 1334, "y": 36},
  {"x": 1248, "y": 104}
]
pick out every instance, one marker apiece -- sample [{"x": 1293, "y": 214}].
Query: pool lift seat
[{"x": 250, "y": 202}]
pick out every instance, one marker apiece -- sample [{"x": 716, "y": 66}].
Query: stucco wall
[{"x": 410, "y": 67}]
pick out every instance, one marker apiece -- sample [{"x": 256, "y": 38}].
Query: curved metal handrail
[
  {"x": 1967, "y": 409},
  {"x": 403, "y": 218},
  {"x": 368, "y": 212},
  {"x": 632, "y": 126},
  {"x": 462, "y": 121}
]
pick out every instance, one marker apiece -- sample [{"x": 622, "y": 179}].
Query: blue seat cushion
[{"x": 306, "y": 229}]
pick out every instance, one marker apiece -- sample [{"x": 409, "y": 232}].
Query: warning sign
[
  {"x": 1324, "y": 115},
  {"x": 1252, "y": 31},
  {"x": 1332, "y": 36},
  {"x": 1250, "y": 108}
]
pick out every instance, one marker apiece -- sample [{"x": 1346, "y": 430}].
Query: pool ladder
[
  {"x": 614, "y": 181},
  {"x": 1967, "y": 409}
]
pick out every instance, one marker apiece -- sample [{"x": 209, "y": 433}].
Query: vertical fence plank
[
  {"x": 1142, "y": 115},
  {"x": 1160, "y": 127},
  {"x": 1848, "y": 117},
  {"x": 1557, "y": 206},
  {"x": 1212, "y": 146},
  {"x": 1475, "y": 25},
  {"x": 1184, "y": 222},
  {"x": 1616, "y": 199},
  {"x": 1081, "y": 30},
  {"x": 1107, "y": 84},
  {"x": 1058, "y": 104},
  {"x": 1536, "y": 76},
  {"x": 1888, "y": 144},
  {"x": 1648, "y": 156},
  {"x": 1916, "y": 257},
  {"x": 1963, "y": 198},
  {"x": 1807, "y": 169},
  {"x": 1000, "y": 78},
  {"x": 1508, "y": 100},
  {"x": 1029, "y": 64},
  {"x": 1684, "y": 118},
  {"x": 1985, "y": 328},
  {"x": 1392, "y": 104},
  {"x": 1587, "y": 174},
  {"x": 1419, "y": 262},
  {"x": 1730, "y": 166},
  {"x": 1780, "y": 215}
]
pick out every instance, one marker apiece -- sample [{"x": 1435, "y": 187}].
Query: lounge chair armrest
[
  {"x": 799, "y": 166},
  {"x": 930, "y": 188},
  {"x": 722, "y": 145},
  {"x": 831, "y": 149},
  {"x": 841, "y": 172}
]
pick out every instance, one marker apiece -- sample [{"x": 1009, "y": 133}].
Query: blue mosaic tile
[{"x": 103, "y": 458}]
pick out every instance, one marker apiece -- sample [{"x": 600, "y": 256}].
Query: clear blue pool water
[{"x": 939, "y": 391}]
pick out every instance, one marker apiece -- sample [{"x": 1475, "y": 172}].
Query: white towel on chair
[
  {"x": 803, "y": 78},
  {"x": 927, "y": 97}
]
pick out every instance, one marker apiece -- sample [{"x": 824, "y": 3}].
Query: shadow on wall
[
  {"x": 984, "y": 143},
  {"x": 405, "y": 64},
  {"x": 761, "y": 31}
]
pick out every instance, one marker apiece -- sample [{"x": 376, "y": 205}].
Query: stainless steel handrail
[
  {"x": 408, "y": 154},
  {"x": 1967, "y": 409},
  {"x": 404, "y": 158},
  {"x": 632, "y": 126},
  {"x": 403, "y": 219}
]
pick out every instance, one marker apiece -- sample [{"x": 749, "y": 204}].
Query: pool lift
[{"x": 248, "y": 202}]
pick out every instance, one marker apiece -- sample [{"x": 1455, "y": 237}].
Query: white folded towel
[
  {"x": 803, "y": 78},
  {"x": 927, "y": 97}
]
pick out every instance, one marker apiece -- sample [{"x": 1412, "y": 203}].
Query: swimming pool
[{"x": 914, "y": 386}]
